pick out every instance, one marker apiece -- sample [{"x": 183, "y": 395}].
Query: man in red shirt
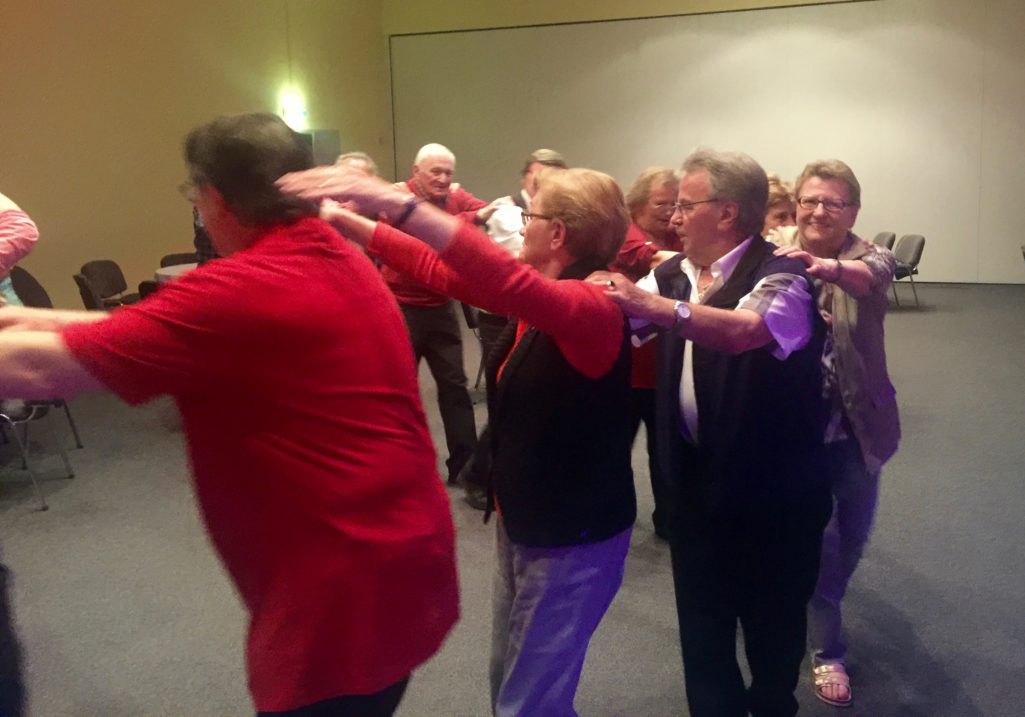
[
  {"x": 313, "y": 465},
  {"x": 430, "y": 316}
]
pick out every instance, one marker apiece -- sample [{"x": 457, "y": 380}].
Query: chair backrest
[
  {"x": 147, "y": 287},
  {"x": 885, "y": 239},
  {"x": 105, "y": 276},
  {"x": 470, "y": 314},
  {"x": 30, "y": 291},
  {"x": 909, "y": 249},
  {"x": 90, "y": 298},
  {"x": 188, "y": 257}
]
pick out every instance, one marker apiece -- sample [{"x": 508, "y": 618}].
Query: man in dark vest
[{"x": 740, "y": 421}]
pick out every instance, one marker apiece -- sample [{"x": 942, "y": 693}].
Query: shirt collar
[{"x": 722, "y": 268}]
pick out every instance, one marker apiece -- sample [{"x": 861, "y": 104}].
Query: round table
[{"x": 168, "y": 273}]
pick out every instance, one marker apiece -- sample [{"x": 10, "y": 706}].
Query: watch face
[{"x": 682, "y": 313}]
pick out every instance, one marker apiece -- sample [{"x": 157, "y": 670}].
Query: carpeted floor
[{"x": 124, "y": 611}]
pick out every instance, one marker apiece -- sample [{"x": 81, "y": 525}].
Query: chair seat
[
  {"x": 115, "y": 301},
  {"x": 902, "y": 270}
]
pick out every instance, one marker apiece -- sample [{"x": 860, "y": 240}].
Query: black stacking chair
[
  {"x": 188, "y": 257},
  {"x": 470, "y": 313},
  {"x": 32, "y": 293},
  {"x": 908, "y": 253},
  {"x": 24, "y": 415},
  {"x": 106, "y": 277},
  {"x": 148, "y": 286},
  {"x": 90, "y": 297},
  {"x": 885, "y": 239}
]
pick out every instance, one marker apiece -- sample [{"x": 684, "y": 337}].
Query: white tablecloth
[{"x": 168, "y": 273}]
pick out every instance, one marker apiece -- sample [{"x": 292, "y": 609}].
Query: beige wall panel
[
  {"x": 415, "y": 16},
  {"x": 922, "y": 98},
  {"x": 96, "y": 98},
  {"x": 1001, "y": 232}
]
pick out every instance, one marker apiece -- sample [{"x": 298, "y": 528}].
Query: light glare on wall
[{"x": 293, "y": 109}]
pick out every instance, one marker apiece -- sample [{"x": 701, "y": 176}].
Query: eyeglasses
[
  {"x": 189, "y": 190},
  {"x": 527, "y": 216},
  {"x": 687, "y": 207},
  {"x": 830, "y": 205}
]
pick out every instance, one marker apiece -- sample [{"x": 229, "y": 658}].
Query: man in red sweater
[
  {"x": 314, "y": 469},
  {"x": 430, "y": 316}
]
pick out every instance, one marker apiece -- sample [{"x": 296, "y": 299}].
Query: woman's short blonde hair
[
  {"x": 833, "y": 169},
  {"x": 591, "y": 206},
  {"x": 779, "y": 191},
  {"x": 649, "y": 180}
]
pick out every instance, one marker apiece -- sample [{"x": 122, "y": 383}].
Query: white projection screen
[{"x": 923, "y": 98}]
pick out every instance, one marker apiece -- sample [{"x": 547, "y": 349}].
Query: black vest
[
  {"x": 560, "y": 442},
  {"x": 760, "y": 420}
]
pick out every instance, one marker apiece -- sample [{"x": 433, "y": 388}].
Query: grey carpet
[{"x": 124, "y": 611}]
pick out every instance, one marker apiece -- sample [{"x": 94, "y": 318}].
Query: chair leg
[
  {"x": 24, "y": 441},
  {"x": 893, "y": 285},
  {"x": 57, "y": 443},
  {"x": 71, "y": 422},
  {"x": 914, "y": 290},
  {"x": 23, "y": 449},
  {"x": 480, "y": 368}
]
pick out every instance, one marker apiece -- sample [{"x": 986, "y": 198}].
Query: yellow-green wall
[
  {"x": 415, "y": 16},
  {"x": 96, "y": 97}
]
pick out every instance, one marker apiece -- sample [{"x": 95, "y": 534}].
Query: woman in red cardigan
[{"x": 558, "y": 400}]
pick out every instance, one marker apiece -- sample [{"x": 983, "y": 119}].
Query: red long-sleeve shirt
[
  {"x": 459, "y": 203},
  {"x": 586, "y": 325}
]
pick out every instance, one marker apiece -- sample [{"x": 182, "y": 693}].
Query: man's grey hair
[
  {"x": 734, "y": 177},
  {"x": 361, "y": 157},
  {"x": 645, "y": 185},
  {"x": 832, "y": 169},
  {"x": 434, "y": 150},
  {"x": 545, "y": 157}
]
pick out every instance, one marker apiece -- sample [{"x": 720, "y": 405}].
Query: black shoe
[{"x": 476, "y": 497}]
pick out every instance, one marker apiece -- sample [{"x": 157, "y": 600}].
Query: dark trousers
[
  {"x": 490, "y": 327},
  {"x": 434, "y": 333},
  {"x": 12, "y": 692},
  {"x": 379, "y": 704},
  {"x": 756, "y": 564},
  {"x": 643, "y": 403},
  {"x": 476, "y": 471}
]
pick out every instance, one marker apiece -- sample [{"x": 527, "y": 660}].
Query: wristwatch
[
  {"x": 411, "y": 203},
  {"x": 681, "y": 314}
]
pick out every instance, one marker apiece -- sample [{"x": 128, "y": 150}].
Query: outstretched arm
[
  {"x": 37, "y": 365},
  {"x": 852, "y": 275},
  {"x": 586, "y": 325},
  {"x": 24, "y": 318},
  {"x": 377, "y": 198},
  {"x": 776, "y": 313},
  {"x": 719, "y": 329}
]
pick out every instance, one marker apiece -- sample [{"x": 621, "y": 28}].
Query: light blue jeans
[
  {"x": 7, "y": 292},
  {"x": 547, "y": 603},
  {"x": 855, "y": 496}
]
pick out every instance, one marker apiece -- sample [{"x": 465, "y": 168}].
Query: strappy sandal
[{"x": 830, "y": 676}]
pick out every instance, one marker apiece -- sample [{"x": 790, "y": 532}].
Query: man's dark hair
[{"x": 241, "y": 156}]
